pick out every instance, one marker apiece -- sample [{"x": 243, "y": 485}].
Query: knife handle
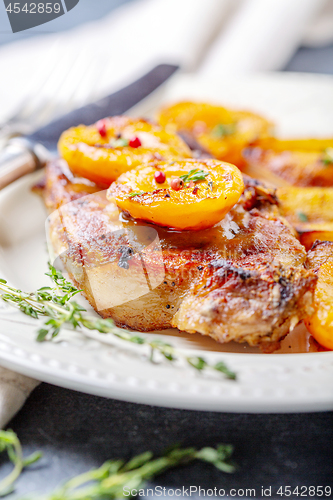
[{"x": 20, "y": 157}]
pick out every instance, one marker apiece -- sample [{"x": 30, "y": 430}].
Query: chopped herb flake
[
  {"x": 302, "y": 216},
  {"x": 119, "y": 143},
  {"x": 137, "y": 193},
  {"x": 328, "y": 157},
  {"x": 223, "y": 130},
  {"x": 194, "y": 175}
]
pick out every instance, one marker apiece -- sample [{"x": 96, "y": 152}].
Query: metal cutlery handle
[
  {"x": 20, "y": 157},
  {"x": 25, "y": 155}
]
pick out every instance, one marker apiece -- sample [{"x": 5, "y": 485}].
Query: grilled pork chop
[{"x": 243, "y": 280}]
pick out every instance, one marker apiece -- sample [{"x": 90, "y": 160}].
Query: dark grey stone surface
[{"x": 77, "y": 431}]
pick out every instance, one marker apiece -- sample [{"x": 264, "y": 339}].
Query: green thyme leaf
[
  {"x": 197, "y": 363},
  {"x": 302, "y": 216},
  {"x": 137, "y": 193},
  {"x": 32, "y": 459},
  {"x": 222, "y": 367},
  {"x": 218, "y": 457},
  {"x": 42, "y": 334}
]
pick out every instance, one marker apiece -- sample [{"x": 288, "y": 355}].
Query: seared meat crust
[
  {"x": 319, "y": 254},
  {"x": 244, "y": 279}
]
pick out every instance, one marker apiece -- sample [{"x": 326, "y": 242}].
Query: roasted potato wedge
[
  {"x": 299, "y": 162},
  {"x": 307, "y": 209},
  {"x": 280, "y": 145},
  {"x": 103, "y": 151},
  {"x": 221, "y": 132},
  {"x": 320, "y": 324},
  {"x": 184, "y": 195}
]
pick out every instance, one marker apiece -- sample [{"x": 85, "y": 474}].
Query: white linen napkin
[
  {"x": 14, "y": 390},
  {"x": 101, "y": 57},
  {"x": 320, "y": 31},
  {"x": 262, "y": 35}
]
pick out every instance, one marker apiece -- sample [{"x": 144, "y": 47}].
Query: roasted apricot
[
  {"x": 103, "y": 151},
  {"x": 320, "y": 324},
  {"x": 194, "y": 195},
  {"x": 220, "y": 131}
]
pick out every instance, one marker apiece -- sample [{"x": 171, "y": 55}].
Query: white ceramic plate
[{"x": 301, "y": 105}]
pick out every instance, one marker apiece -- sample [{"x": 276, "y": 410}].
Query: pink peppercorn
[
  {"x": 134, "y": 142},
  {"x": 101, "y": 127},
  {"x": 159, "y": 177},
  {"x": 176, "y": 184}
]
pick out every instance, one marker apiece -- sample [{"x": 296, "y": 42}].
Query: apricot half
[
  {"x": 184, "y": 194},
  {"x": 103, "y": 151},
  {"x": 222, "y": 132},
  {"x": 320, "y": 324}
]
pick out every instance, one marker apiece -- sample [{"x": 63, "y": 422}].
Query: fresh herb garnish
[
  {"x": 57, "y": 305},
  {"x": 223, "y": 130},
  {"x": 9, "y": 442},
  {"x": 114, "y": 477},
  {"x": 328, "y": 157},
  {"x": 302, "y": 216},
  {"x": 137, "y": 193},
  {"x": 119, "y": 143},
  {"x": 194, "y": 175}
]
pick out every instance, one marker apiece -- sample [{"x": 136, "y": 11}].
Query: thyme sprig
[
  {"x": 194, "y": 175},
  {"x": 9, "y": 442},
  {"x": 114, "y": 477},
  {"x": 58, "y": 306}
]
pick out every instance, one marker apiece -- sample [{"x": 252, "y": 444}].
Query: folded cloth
[
  {"x": 320, "y": 31},
  {"x": 262, "y": 35},
  {"x": 14, "y": 390},
  {"x": 100, "y": 57}
]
